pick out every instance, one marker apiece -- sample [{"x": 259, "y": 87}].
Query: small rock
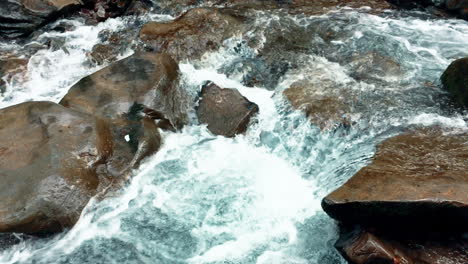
[
  {"x": 10, "y": 67},
  {"x": 455, "y": 81},
  {"x": 226, "y": 111}
]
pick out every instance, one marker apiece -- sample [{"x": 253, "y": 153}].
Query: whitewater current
[{"x": 254, "y": 198}]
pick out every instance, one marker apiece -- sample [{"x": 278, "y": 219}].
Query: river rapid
[{"x": 254, "y": 198}]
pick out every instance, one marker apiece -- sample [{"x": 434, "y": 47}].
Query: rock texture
[
  {"x": 148, "y": 80},
  {"x": 416, "y": 180},
  {"x": 226, "y": 111},
  {"x": 455, "y": 81},
  {"x": 22, "y": 17},
  {"x": 192, "y": 34},
  {"x": 50, "y": 166},
  {"x": 364, "y": 247},
  {"x": 325, "y": 106}
]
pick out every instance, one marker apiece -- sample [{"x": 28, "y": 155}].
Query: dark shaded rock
[
  {"x": 191, "y": 35},
  {"x": 139, "y": 7},
  {"x": 226, "y": 111},
  {"x": 417, "y": 180},
  {"x": 364, "y": 247},
  {"x": 20, "y": 18},
  {"x": 455, "y": 81},
  {"x": 458, "y": 6},
  {"x": 9, "y": 67},
  {"x": 148, "y": 80}
]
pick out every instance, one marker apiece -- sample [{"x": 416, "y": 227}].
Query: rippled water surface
[{"x": 255, "y": 198}]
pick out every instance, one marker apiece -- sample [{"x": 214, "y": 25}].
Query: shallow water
[{"x": 255, "y": 198}]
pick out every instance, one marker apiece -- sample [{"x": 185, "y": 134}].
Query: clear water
[{"x": 255, "y": 198}]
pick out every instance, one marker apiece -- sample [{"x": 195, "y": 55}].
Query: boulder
[
  {"x": 20, "y": 18},
  {"x": 53, "y": 160},
  {"x": 325, "y": 106},
  {"x": 455, "y": 81},
  {"x": 226, "y": 111},
  {"x": 364, "y": 247},
  {"x": 146, "y": 80},
  {"x": 417, "y": 180},
  {"x": 192, "y": 34}
]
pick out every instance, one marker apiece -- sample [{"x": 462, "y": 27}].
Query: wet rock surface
[
  {"x": 362, "y": 247},
  {"x": 416, "y": 180},
  {"x": 49, "y": 165},
  {"x": 455, "y": 81},
  {"x": 148, "y": 80},
  {"x": 197, "y": 31},
  {"x": 226, "y": 111}
]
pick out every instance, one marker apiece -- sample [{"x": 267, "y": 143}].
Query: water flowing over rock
[
  {"x": 455, "y": 81},
  {"x": 10, "y": 66},
  {"x": 412, "y": 178},
  {"x": 362, "y": 247},
  {"x": 52, "y": 162},
  {"x": 325, "y": 109},
  {"x": 148, "y": 80},
  {"x": 226, "y": 111},
  {"x": 191, "y": 35}
]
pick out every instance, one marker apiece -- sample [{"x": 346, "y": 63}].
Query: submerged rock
[
  {"x": 362, "y": 247},
  {"x": 148, "y": 80},
  {"x": 226, "y": 111},
  {"x": 197, "y": 31},
  {"x": 416, "y": 180},
  {"x": 455, "y": 81},
  {"x": 325, "y": 106},
  {"x": 372, "y": 65}
]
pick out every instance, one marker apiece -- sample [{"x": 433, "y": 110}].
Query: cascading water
[{"x": 255, "y": 198}]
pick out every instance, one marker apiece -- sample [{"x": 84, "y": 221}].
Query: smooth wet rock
[
  {"x": 325, "y": 106},
  {"x": 226, "y": 111},
  {"x": 148, "y": 80},
  {"x": 372, "y": 65},
  {"x": 417, "y": 180},
  {"x": 455, "y": 81},
  {"x": 51, "y": 161},
  {"x": 363, "y": 247},
  {"x": 22, "y": 17},
  {"x": 197, "y": 31}
]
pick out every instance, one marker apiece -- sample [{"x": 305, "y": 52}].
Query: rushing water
[{"x": 255, "y": 198}]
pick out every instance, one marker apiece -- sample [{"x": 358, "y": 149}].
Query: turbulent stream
[{"x": 255, "y": 198}]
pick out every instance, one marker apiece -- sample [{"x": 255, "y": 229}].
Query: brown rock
[
  {"x": 191, "y": 35},
  {"x": 373, "y": 65},
  {"x": 416, "y": 180},
  {"x": 49, "y": 163},
  {"x": 226, "y": 111},
  {"x": 144, "y": 79},
  {"x": 363, "y": 247},
  {"x": 102, "y": 53},
  {"x": 326, "y": 106},
  {"x": 455, "y": 81}
]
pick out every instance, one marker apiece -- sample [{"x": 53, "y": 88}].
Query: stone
[
  {"x": 416, "y": 180},
  {"x": 226, "y": 111},
  {"x": 10, "y": 67},
  {"x": 197, "y": 31},
  {"x": 149, "y": 80},
  {"x": 363, "y": 247},
  {"x": 455, "y": 81}
]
